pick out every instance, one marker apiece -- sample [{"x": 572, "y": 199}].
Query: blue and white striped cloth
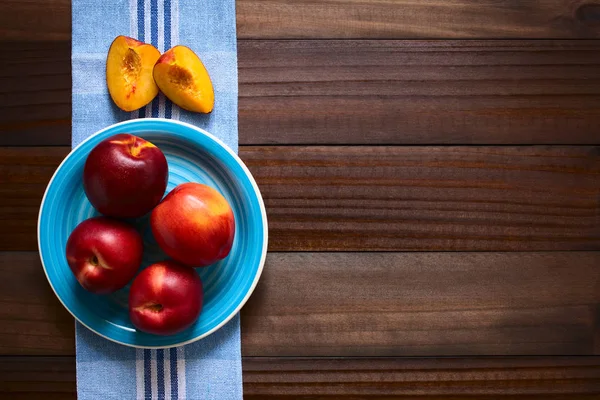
[{"x": 210, "y": 368}]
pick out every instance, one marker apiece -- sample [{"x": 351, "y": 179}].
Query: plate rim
[{"x": 262, "y": 212}]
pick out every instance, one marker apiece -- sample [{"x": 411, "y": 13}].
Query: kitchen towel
[{"x": 211, "y": 367}]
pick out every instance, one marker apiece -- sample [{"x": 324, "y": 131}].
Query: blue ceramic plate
[{"x": 193, "y": 156}]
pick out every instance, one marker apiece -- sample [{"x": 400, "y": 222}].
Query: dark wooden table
[{"x": 431, "y": 171}]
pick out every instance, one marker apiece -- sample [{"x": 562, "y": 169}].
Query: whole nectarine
[
  {"x": 165, "y": 298},
  {"x": 194, "y": 225},
  {"x": 125, "y": 176},
  {"x": 104, "y": 254}
]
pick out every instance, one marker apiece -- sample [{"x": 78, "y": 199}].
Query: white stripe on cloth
[
  {"x": 147, "y": 18},
  {"x": 133, "y": 26},
  {"x": 174, "y": 22},
  {"x": 139, "y": 373},
  {"x": 161, "y": 48},
  {"x": 161, "y": 26},
  {"x": 181, "y": 372},
  {"x": 147, "y": 35},
  {"x": 174, "y": 42},
  {"x": 153, "y": 375},
  {"x": 167, "y": 368},
  {"x": 161, "y": 105}
]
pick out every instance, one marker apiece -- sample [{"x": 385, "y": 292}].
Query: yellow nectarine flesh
[
  {"x": 182, "y": 77},
  {"x": 129, "y": 68}
]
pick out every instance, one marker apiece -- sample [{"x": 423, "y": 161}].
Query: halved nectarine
[
  {"x": 182, "y": 77},
  {"x": 129, "y": 68}
]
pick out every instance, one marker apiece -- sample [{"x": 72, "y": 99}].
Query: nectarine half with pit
[
  {"x": 194, "y": 225},
  {"x": 129, "y": 67},
  {"x": 182, "y": 77},
  {"x": 125, "y": 176}
]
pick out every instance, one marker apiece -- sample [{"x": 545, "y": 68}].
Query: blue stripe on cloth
[
  {"x": 140, "y": 20},
  {"x": 154, "y": 23},
  {"x": 155, "y": 107},
  {"x": 173, "y": 362},
  {"x": 147, "y": 375},
  {"x": 168, "y": 109},
  {"x": 167, "y": 15},
  {"x": 160, "y": 373}
]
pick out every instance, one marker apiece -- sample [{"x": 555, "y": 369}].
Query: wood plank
[
  {"x": 382, "y": 198},
  {"x": 401, "y": 19},
  {"x": 398, "y": 19},
  {"x": 24, "y": 175},
  {"x": 384, "y": 378},
  {"x": 429, "y": 198},
  {"x": 357, "y": 92},
  {"x": 419, "y": 92},
  {"x": 35, "y": 20},
  {"x": 390, "y": 378},
  {"x": 35, "y": 93},
  {"x": 368, "y": 304}
]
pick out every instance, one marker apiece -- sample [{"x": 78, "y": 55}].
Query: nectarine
[
  {"x": 129, "y": 67},
  {"x": 182, "y": 77},
  {"x": 125, "y": 176},
  {"x": 104, "y": 254},
  {"x": 194, "y": 225},
  {"x": 165, "y": 298}
]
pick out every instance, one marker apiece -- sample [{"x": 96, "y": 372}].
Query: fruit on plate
[
  {"x": 129, "y": 66},
  {"x": 182, "y": 77},
  {"x": 165, "y": 298},
  {"x": 194, "y": 225},
  {"x": 125, "y": 176},
  {"x": 104, "y": 254}
]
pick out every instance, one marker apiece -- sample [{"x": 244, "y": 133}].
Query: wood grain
[
  {"x": 35, "y": 93},
  {"x": 419, "y": 92},
  {"x": 429, "y": 198},
  {"x": 382, "y": 198},
  {"x": 400, "y": 19},
  {"x": 44, "y": 20},
  {"x": 390, "y": 378},
  {"x": 35, "y": 20},
  {"x": 357, "y": 92},
  {"x": 322, "y": 378},
  {"x": 24, "y": 175},
  {"x": 368, "y": 304}
]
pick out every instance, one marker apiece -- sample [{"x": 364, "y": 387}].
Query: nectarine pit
[
  {"x": 131, "y": 67},
  {"x": 181, "y": 77}
]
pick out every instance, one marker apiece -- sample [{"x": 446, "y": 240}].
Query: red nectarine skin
[
  {"x": 167, "y": 57},
  {"x": 133, "y": 42},
  {"x": 194, "y": 225},
  {"x": 165, "y": 298},
  {"x": 125, "y": 176},
  {"x": 104, "y": 254}
]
